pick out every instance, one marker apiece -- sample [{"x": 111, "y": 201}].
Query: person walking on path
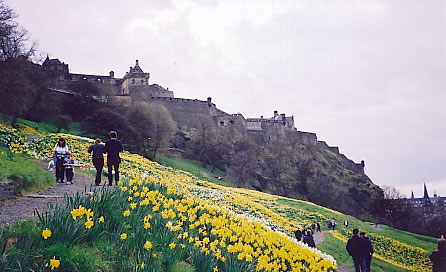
[
  {"x": 368, "y": 252},
  {"x": 113, "y": 147},
  {"x": 298, "y": 234},
  {"x": 98, "y": 158},
  {"x": 355, "y": 248},
  {"x": 333, "y": 224},
  {"x": 60, "y": 150},
  {"x": 318, "y": 229},
  {"x": 308, "y": 239},
  {"x": 438, "y": 257}
]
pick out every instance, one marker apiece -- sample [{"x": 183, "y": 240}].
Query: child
[{"x": 69, "y": 172}]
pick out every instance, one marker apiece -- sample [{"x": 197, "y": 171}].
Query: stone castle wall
[{"x": 186, "y": 112}]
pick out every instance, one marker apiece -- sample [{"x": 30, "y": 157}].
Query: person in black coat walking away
[
  {"x": 298, "y": 234},
  {"x": 438, "y": 257},
  {"x": 112, "y": 148},
  {"x": 98, "y": 158},
  {"x": 318, "y": 229},
  {"x": 368, "y": 250},
  {"x": 308, "y": 239},
  {"x": 355, "y": 248}
]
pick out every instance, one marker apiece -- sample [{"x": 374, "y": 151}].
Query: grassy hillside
[{"x": 221, "y": 228}]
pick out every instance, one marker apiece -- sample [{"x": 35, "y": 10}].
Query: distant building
[{"x": 429, "y": 205}]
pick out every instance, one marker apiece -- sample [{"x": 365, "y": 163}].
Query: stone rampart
[
  {"x": 349, "y": 164},
  {"x": 186, "y": 112}
]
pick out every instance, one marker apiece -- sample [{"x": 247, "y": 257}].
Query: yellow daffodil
[
  {"x": 46, "y": 233},
  {"x": 89, "y": 224},
  {"x": 148, "y": 245},
  {"x": 54, "y": 263}
]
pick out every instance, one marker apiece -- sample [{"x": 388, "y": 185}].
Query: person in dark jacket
[
  {"x": 298, "y": 234},
  {"x": 98, "y": 158},
  {"x": 112, "y": 148},
  {"x": 308, "y": 239},
  {"x": 438, "y": 257},
  {"x": 355, "y": 248},
  {"x": 318, "y": 227},
  {"x": 368, "y": 250}
]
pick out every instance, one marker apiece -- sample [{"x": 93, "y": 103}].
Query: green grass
[
  {"x": 25, "y": 172},
  {"x": 194, "y": 167},
  {"x": 182, "y": 267},
  {"x": 336, "y": 248},
  {"x": 74, "y": 128}
]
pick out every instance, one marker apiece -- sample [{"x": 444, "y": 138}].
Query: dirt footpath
[{"x": 24, "y": 207}]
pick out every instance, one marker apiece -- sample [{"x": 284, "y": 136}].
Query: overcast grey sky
[{"x": 367, "y": 76}]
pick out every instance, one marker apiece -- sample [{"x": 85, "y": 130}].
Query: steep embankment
[{"x": 215, "y": 218}]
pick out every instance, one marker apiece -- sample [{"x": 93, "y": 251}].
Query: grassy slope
[
  {"x": 337, "y": 249},
  {"x": 195, "y": 168},
  {"x": 427, "y": 243},
  {"x": 27, "y": 174},
  {"x": 331, "y": 245}
]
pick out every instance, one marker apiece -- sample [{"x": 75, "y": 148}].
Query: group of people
[
  {"x": 331, "y": 224},
  {"x": 64, "y": 163},
  {"x": 307, "y": 234},
  {"x": 361, "y": 249}
]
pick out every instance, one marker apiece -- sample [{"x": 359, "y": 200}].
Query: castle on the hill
[
  {"x": 428, "y": 205},
  {"x": 135, "y": 86}
]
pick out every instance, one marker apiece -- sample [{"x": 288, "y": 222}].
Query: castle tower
[
  {"x": 135, "y": 79},
  {"x": 54, "y": 67}
]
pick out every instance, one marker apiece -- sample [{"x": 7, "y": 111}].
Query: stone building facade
[{"x": 428, "y": 205}]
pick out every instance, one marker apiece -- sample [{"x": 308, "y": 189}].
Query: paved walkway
[{"x": 24, "y": 207}]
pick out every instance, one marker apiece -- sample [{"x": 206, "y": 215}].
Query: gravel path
[{"x": 24, "y": 207}]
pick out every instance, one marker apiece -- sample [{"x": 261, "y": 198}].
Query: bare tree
[
  {"x": 14, "y": 40},
  {"x": 154, "y": 126}
]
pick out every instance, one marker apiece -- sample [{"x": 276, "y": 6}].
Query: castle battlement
[{"x": 135, "y": 86}]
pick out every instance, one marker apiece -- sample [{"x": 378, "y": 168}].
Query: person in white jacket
[{"x": 60, "y": 150}]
